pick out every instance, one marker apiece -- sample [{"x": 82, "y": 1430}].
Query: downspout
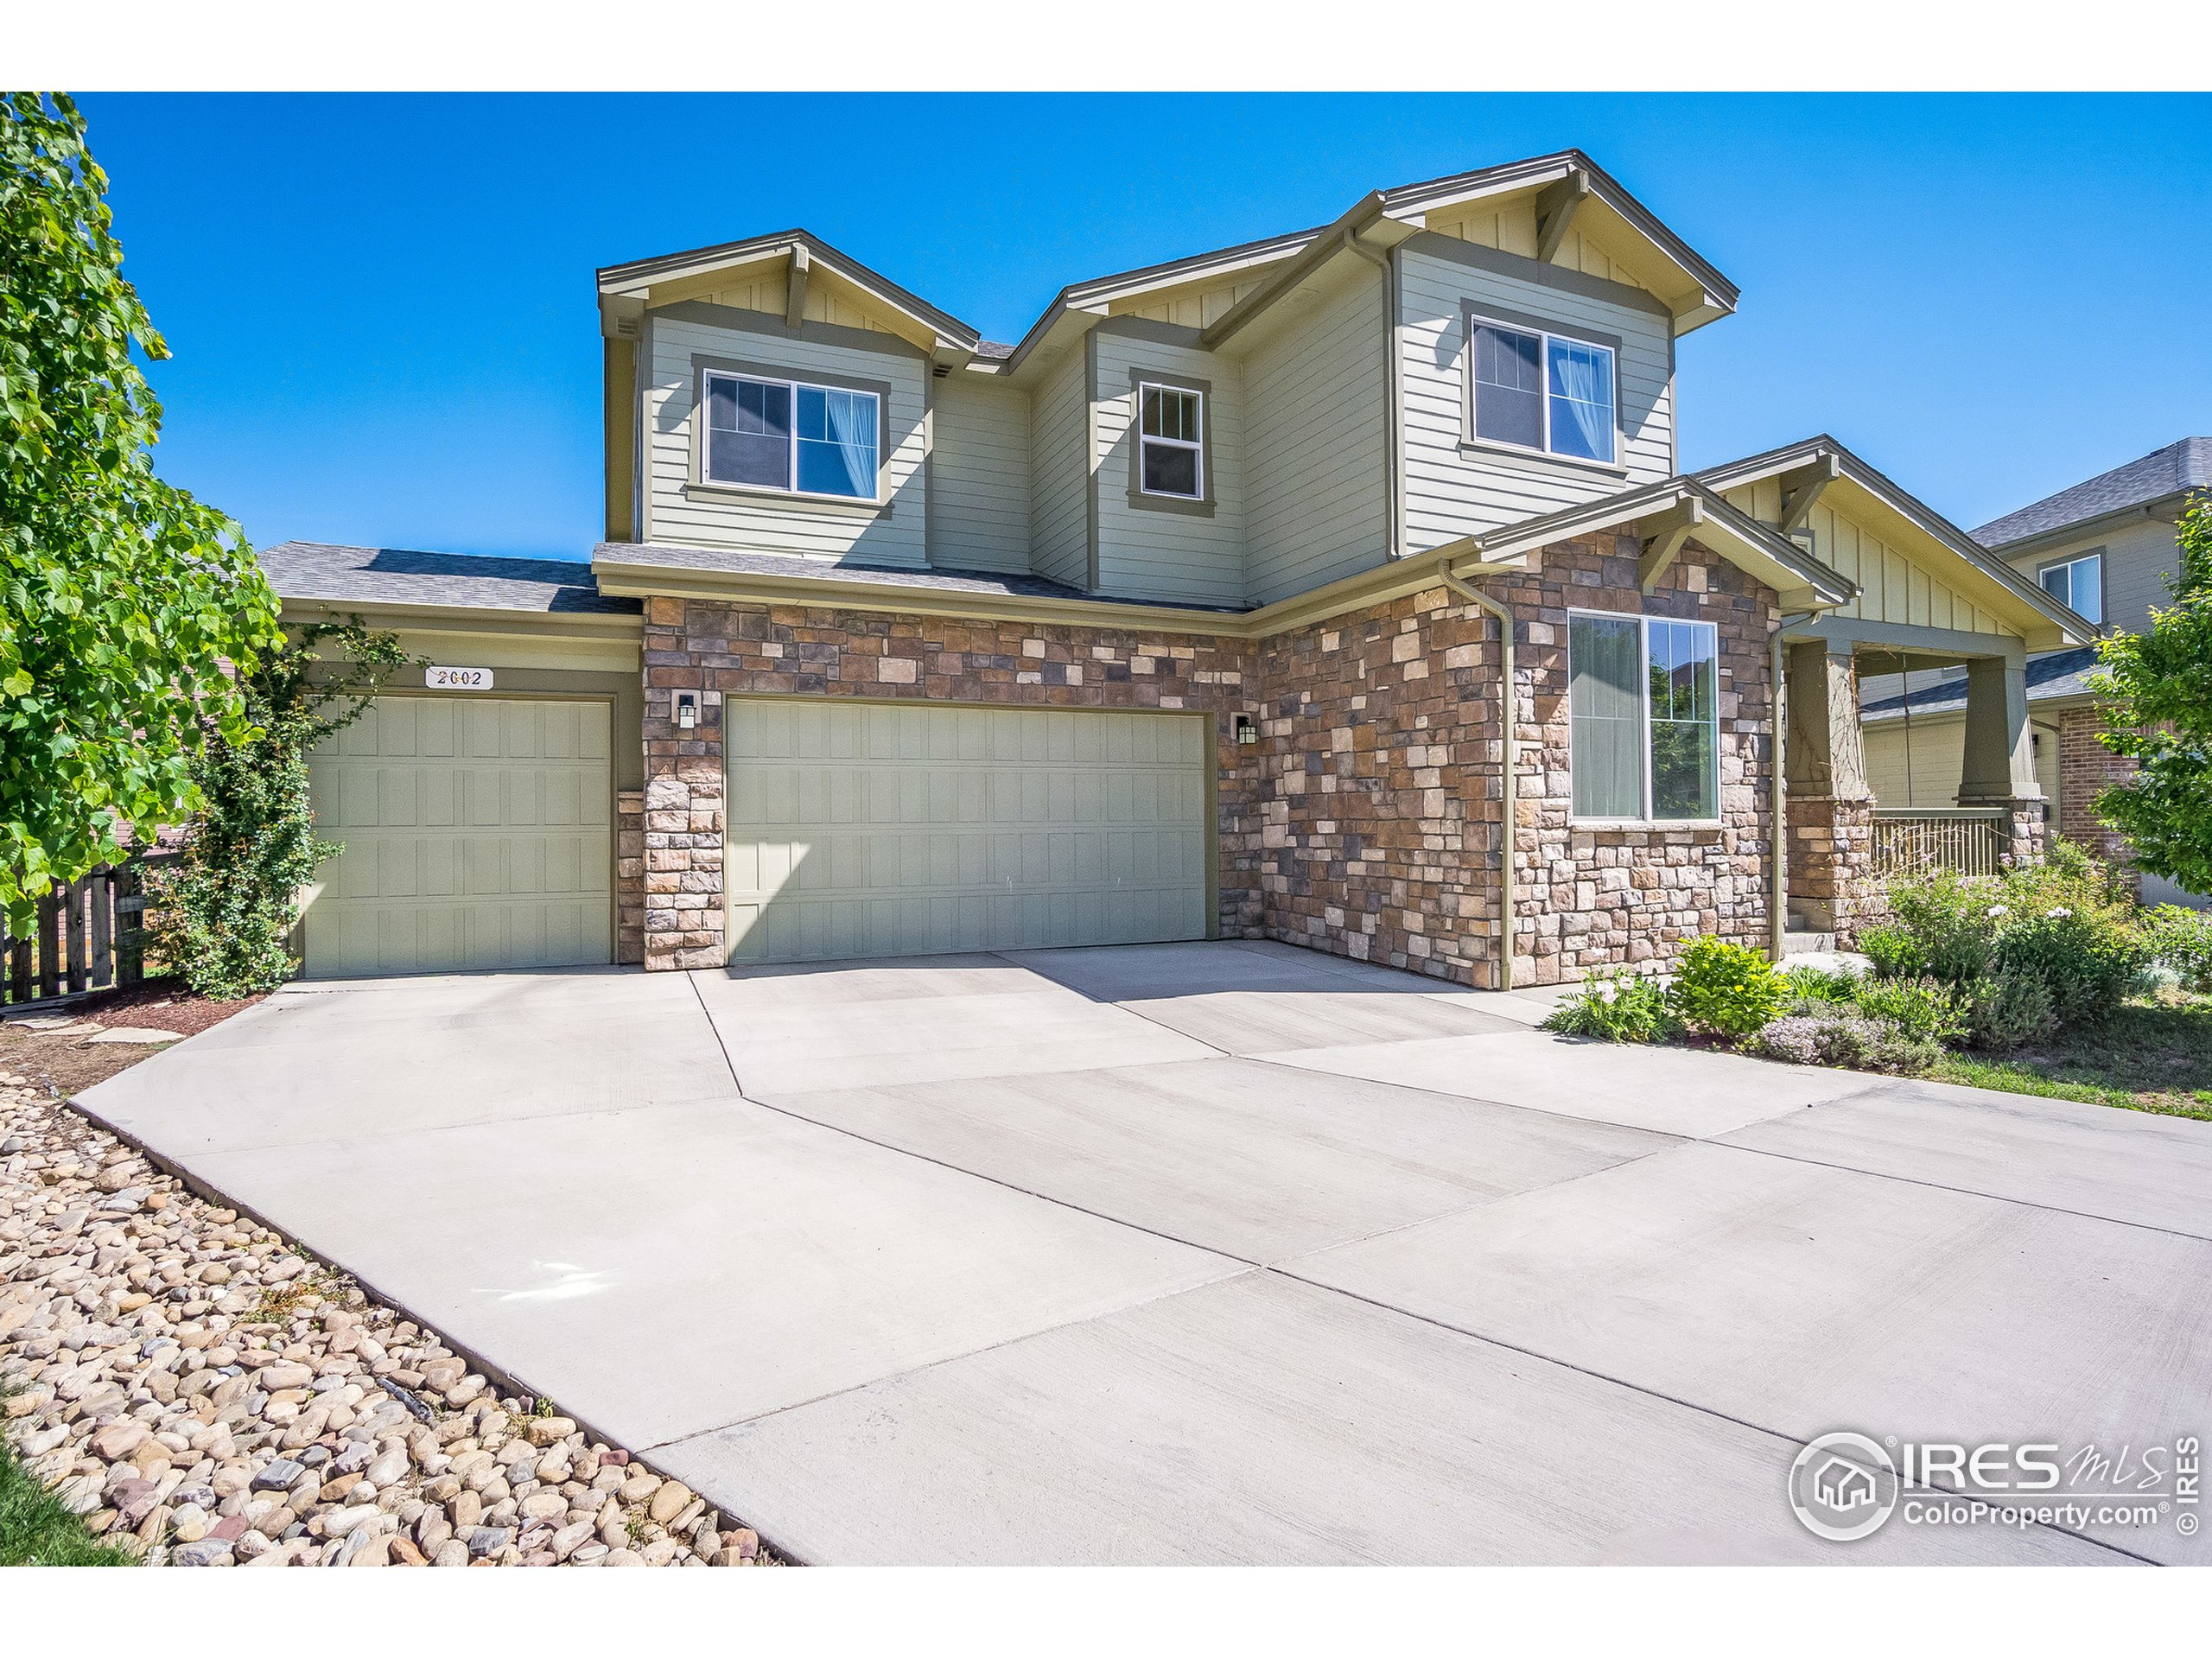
[
  {"x": 1509, "y": 829},
  {"x": 1394, "y": 436},
  {"x": 1778, "y": 902}
]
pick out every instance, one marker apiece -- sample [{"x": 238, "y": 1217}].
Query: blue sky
[{"x": 381, "y": 306}]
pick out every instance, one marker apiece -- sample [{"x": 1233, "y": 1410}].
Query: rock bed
[{"x": 205, "y": 1394}]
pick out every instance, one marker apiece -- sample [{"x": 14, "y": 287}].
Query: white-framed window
[
  {"x": 1542, "y": 391},
  {"x": 789, "y": 434},
  {"x": 1170, "y": 439},
  {"x": 1643, "y": 713},
  {"x": 2079, "y": 582}
]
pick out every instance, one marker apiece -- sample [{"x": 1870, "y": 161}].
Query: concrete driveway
[{"x": 1213, "y": 1253}]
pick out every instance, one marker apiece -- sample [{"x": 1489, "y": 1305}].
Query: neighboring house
[
  {"x": 1178, "y": 618},
  {"x": 2106, "y": 548}
]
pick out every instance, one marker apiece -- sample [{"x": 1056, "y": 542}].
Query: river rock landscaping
[{"x": 204, "y": 1393}]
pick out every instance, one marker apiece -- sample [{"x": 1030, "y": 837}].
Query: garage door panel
[
  {"x": 475, "y": 834},
  {"x": 871, "y": 830}
]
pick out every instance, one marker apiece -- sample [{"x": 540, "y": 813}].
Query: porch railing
[
  {"x": 1970, "y": 840},
  {"x": 90, "y": 935}
]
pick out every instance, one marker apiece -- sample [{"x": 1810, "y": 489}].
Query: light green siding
[
  {"x": 1156, "y": 552},
  {"x": 478, "y": 833},
  {"x": 1060, "y": 482},
  {"x": 1316, "y": 444},
  {"x": 865, "y": 829},
  {"x": 979, "y": 475}
]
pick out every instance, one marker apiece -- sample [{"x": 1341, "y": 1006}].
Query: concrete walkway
[{"x": 1212, "y": 1253}]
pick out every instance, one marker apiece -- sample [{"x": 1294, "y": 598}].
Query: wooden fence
[
  {"x": 1970, "y": 840},
  {"x": 91, "y": 935}
]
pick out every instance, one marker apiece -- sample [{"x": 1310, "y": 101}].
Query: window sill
[
  {"x": 1647, "y": 823},
  {"x": 1475, "y": 448},
  {"x": 762, "y": 496},
  {"x": 1145, "y": 501}
]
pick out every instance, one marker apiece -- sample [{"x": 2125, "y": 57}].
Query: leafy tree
[
  {"x": 122, "y": 598},
  {"x": 2156, "y": 696},
  {"x": 223, "y": 916}
]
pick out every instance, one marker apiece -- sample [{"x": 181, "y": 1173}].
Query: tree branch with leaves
[
  {"x": 2155, "y": 692},
  {"x": 125, "y": 603}
]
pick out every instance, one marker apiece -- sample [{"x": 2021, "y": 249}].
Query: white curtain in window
[
  {"x": 852, "y": 428},
  {"x": 1582, "y": 397}
]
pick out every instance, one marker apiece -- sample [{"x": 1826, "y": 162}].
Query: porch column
[
  {"x": 2000, "y": 768},
  {"x": 1830, "y": 806}
]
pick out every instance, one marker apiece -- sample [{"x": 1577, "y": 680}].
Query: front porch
[{"x": 1840, "y": 846}]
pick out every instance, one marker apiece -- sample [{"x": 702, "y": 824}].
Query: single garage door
[
  {"x": 477, "y": 834},
  {"x": 863, "y": 830}
]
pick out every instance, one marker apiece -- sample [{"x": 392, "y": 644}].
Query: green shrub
[
  {"x": 1728, "y": 989},
  {"x": 2086, "y": 962},
  {"x": 1926, "y": 1010},
  {"x": 1893, "y": 950},
  {"x": 1821, "y": 985},
  {"x": 2005, "y": 1011},
  {"x": 1621, "y": 1008},
  {"x": 1835, "y": 1036},
  {"x": 2181, "y": 939},
  {"x": 1951, "y": 920}
]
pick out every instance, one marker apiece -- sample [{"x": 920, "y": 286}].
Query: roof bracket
[
  {"x": 1669, "y": 533},
  {"x": 1555, "y": 208},
  {"x": 1801, "y": 487},
  {"x": 794, "y": 290}
]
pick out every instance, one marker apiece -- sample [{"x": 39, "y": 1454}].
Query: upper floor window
[
  {"x": 1171, "y": 435},
  {"x": 1644, "y": 717},
  {"x": 1539, "y": 390},
  {"x": 787, "y": 435},
  {"x": 2079, "y": 582}
]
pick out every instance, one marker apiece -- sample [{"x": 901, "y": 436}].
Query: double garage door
[
  {"x": 863, "y": 830},
  {"x": 477, "y": 832}
]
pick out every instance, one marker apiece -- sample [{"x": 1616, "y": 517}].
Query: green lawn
[
  {"x": 2155, "y": 1055},
  {"x": 36, "y": 1531}
]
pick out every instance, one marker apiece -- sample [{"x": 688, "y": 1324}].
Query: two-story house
[
  {"x": 2106, "y": 546},
  {"x": 1341, "y": 589}
]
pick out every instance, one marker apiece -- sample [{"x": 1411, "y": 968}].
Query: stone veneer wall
[
  {"x": 1365, "y": 823},
  {"x": 1831, "y": 853},
  {"x": 791, "y": 651},
  {"x": 630, "y": 876}
]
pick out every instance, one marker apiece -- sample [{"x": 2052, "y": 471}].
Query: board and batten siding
[
  {"x": 1148, "y": 553},
  {"x": 1454, "y": 490},
  {"x": 1059, "y": 505},
  {"x": 979, "y": 475},
  {"x": 1316, "y": 446},
  {"x": 768, "y": 523},
  {"x": 1893, "y": 586}
]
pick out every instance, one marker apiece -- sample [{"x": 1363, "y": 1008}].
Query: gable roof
[
  {"x": 335, "y": 575},
  {"x": 2179, "y": 468},
  {"x": 1990, "y": 574}
]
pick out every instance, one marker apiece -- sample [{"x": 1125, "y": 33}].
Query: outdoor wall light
[
  {"x": 684, "y": 710},
  {"x": 1248, "y": 729}
]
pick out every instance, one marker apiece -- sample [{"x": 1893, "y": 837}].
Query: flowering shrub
[
  {"x": 1842, "y": 1039},
  {"x": 1728, "y": 989},
  {"x": 1925, "y": 1010},
  {"x": 1621, "y": 1008}
]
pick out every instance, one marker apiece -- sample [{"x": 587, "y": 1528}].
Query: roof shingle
[
  {"x": 397, "y": 576},
  {"x": 2186, "y": 465}
]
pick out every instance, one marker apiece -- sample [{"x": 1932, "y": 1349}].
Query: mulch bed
[{"x": 66, "y": 1063}]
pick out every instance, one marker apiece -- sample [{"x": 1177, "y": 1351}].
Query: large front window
[
  {"x": 1543, "y": 391},
  {"x": 1644, "y": 711},
  {"x": 787, "y": 435}
]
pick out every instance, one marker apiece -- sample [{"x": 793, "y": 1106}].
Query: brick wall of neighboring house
[
  {"x": 1366, "y": 821},
  {"x": 792, "y": 650},
  {"x": 2085, "y": 767}
]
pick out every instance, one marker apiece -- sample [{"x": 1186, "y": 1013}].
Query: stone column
[
  {"x": 2000, "y": 768},
  {"x": 683, "y": 798},
  {"x": 1830, "y": 805}
]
